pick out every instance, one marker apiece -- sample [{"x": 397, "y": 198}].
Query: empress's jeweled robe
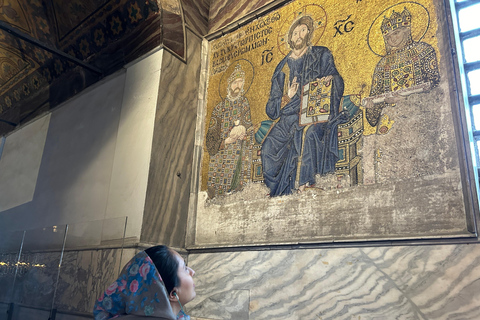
[{"x": 411, "y": 66}]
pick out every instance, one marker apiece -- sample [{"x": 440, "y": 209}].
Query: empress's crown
[{"x": 396, "y": 20}]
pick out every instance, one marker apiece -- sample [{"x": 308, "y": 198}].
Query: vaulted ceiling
[{"x": 52, "y": 49}]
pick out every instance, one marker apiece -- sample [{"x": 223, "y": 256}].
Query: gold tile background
[{"x": 356, "y": 53}]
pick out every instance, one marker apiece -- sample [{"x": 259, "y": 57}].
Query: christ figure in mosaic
[
  {"x": 229, "y": 140},
  {"x": 305, "y": 98},
  {"x": 408, "y": 67}
]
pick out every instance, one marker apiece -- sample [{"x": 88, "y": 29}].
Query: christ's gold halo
[
  {"x": 246, "y": 66},
  {"x": 420, "y": 24},
  {"x": 316, "y": 12}
]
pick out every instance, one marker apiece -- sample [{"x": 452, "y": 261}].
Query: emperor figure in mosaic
[
  {"x": 305, "y": 97},
  {"x": 229, "y": 139},
  {"x": 408, "y": 67}
]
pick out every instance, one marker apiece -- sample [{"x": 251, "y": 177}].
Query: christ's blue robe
[{"x": 283, "y": 144}]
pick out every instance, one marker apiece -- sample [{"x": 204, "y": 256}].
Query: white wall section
[
  {"x": 128, "y": 186},
  {"x": 20, "y": 163}
]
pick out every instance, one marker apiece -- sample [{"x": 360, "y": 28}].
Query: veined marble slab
[
  {"x": 86, "y": 274},
  {"x": 421, "y": 282}
]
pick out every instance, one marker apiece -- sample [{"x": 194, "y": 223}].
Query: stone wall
[
  {"x": 93, "y": 161},
  {"x": 397, "y": 282},
  {"x": 108, "y": 145},
  {"x": 170, "y": 171},
  {"x": 414, "y": 282},
  {"x": 415, "y": 180},
  {"x": 82, "y": 278}
]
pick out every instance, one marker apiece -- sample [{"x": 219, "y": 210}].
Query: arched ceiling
[{"x": 52, "y": 49}]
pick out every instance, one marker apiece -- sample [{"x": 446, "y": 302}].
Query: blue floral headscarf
[{"x": 139, "y": 290}]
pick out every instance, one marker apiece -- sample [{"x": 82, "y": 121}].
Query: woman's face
[
  {"x": 186, "y": 290},
  {"x": 398, "y": 38}
]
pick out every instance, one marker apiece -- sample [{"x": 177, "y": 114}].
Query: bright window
[
  {"x": 468, "y": 16},
  {"x": 470, "y": 49},
  {"x": 467, "y": 26}
]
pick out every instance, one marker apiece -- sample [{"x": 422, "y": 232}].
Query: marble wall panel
[
  {"x": 61, "y": 316},
  {"x": 166, "y": 206},
  {"x": 85, "y": 275},
  {"x": 174, "y": 26},
  {"x": 196, "y": 15},
  {"x": 6, "y": 283},
  {"x": 442, "y": 281},
  {"x": 25, "y": 313},
  {"x": 10, "y": 246},
  {"x": 35, "y": 282},
  {"x": 418, "y": 282}
]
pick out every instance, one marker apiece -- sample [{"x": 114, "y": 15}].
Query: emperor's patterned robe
[{"x": 230, "y": 165}]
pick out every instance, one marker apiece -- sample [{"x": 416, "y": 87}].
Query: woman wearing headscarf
[{"x": 156, "y": 283}]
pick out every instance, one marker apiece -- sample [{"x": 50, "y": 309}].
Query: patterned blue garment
[{"x": 139, "y": 290}]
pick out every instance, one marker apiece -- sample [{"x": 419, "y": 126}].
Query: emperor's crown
[
  {"x": 237, "y": 73},
  {"x": 396, "y": 21}
]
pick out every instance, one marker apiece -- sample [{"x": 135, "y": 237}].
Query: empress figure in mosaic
[
  {"x": 408, "y": 67},
  {"x": 229, "y": 140},
  {"x": 293, "y": 154}
]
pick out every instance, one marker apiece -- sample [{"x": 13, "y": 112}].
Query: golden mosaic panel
[
  {"x": 352, "y": 31},
  {"x": 333, "y": 121}
]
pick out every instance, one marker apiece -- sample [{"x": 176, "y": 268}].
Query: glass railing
[{"x": 57, "y": 272}]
